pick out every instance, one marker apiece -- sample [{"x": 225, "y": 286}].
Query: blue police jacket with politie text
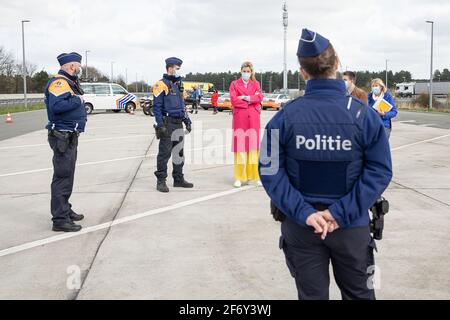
[
  {"x": 169, "y": 100},
  {"x": 326, "y": 148},
  {"x": 65, "y": 110}
]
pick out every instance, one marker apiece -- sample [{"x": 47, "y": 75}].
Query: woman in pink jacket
[{"x": 246, "y": 97}]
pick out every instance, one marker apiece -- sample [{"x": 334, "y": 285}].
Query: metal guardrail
[{"x": 8, "y": 103}]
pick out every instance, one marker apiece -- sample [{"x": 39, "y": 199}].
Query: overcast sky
[{"x": 217, "y": 35}]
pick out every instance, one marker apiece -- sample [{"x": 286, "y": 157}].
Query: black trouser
[
  {"x": 308, "y": 257},
  {"x": 195, "y": 105},
  {"x": 63, "y": 178},
  {"x": 171, "y": 145}
]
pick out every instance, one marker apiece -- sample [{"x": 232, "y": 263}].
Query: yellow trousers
[{"x": 246, "y": 166}]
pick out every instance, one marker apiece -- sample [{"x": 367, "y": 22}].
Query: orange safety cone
[{"x": 8, "y": 118}]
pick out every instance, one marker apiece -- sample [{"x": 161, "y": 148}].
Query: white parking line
[
  {"x": 42, "y": 242},
  {"x": 83, "y": 141},
  {"x": 101, "y": 162},
  {"x": 420, "y": 142}
]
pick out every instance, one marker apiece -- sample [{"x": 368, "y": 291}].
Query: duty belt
[
  {"x": 173, "y": 120},
  {"x": 60, "y": 134}
]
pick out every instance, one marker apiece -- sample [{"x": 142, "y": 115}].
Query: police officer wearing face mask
[
  {"x": 170, "y": 114},
  {"x": 325, "y": 160},
  {"x": 66, "y": 120}
]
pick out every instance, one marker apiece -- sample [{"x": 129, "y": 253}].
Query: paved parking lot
[{"x": 212, "y": 242}]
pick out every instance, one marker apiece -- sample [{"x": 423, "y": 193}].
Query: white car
[
  {"x": 274, "y": 101},
  {"x": 107, "y": 96}
]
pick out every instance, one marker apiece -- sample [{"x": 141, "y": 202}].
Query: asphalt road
[
  {"x": 27, "y": 122},
  {"x": 433, "y": 120},
  {"x": 23, "y": 123},
  {"x": 209, "y": 242}
]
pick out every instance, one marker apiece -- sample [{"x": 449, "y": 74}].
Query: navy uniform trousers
[
  {"x": 169, "y": 147},
  {"x": 63, "y": 179},
  {"x": 308, "y": 258}
]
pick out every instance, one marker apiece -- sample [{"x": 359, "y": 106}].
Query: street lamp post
[
  {"x": 87, "y": 72},
  {"x": 387, "y": 84},
  {"x": 431, "y": 64},
  {"x": 24, "y": 67},
  {"x": 285, "y": 25},
  {"x": 112, "y": 71},
  {"x": 136, "y": 82},
  {"x": 262, "y": 84}
]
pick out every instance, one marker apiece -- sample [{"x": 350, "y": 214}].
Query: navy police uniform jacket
[
  {"x": 326, "y": 148},
  {"x": 65, "y": 110},
  {"x": 169, "y": 100}
]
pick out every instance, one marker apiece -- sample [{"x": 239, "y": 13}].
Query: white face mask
[
  {"x": 347, "y": 84},
  {"x": 246, "y": 76},
  {"x": 376, "y": 90},
  {"x": 177, "y": 73},
  {"x": 78, "y": 73}
]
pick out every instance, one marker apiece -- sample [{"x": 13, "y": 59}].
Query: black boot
[
  {"x": 66, "y": 227},
  {"x": 181, "y": 183},
  {"x": 76, "y": 217},
  {"x": 161, "y": 186}
]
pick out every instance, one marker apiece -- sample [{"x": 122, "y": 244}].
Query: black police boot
[
  {"x": 181, "y": 183},
  {"x": 76, "y": 217},
  {"x": 161, "y": 186},
  {"x": 66, "y": 227}
]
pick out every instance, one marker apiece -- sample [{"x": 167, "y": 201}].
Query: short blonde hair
[
  {"x": 379, "y": 82},
  {"x": 248, "y": 64}
]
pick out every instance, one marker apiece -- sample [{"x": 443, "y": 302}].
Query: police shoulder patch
[
  {"x": 60, "y": 86},
  {"x": 159, "y": 88}
]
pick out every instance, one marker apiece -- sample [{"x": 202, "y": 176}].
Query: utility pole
[
  {"x": 431, "y": 64},
  {"x": 285, "y": 25},
  {"x": 387, "y": 85},
  {"x": 112, "y": 71},
  {"x": 24, "y": 67},
  {"x": 87, "y": 72},
  {"x": 262, "y": 83}
]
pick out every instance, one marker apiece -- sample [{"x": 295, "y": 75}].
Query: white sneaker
[
  {"x": 237, "y": 184},
  {"x": 259, "y": 183}
]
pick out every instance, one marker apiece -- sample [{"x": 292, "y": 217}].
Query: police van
[{"x": 107, "y": 96}]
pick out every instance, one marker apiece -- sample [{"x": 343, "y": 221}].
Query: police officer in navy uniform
[
  {"x": 170, "y": 114},
  {"x": 66, "y": 120},
  {"x": 325, "y": 161}
]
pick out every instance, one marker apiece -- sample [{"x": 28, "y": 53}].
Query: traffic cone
[{"x": 9, "y": 118}]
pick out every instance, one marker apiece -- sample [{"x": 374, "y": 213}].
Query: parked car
[
  {"x": 205, "y": 101},
  {"x": 224, "y": 102},
  {"x": 274, "y": 101},
  {"x": 107, "y": 96}
]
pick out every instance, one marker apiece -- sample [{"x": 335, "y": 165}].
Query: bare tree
[{"x": 7, "y": 63}]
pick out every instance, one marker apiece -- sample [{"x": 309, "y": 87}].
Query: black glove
[
  {"x": 161, "y": 132},
  {"x": 276, "y": 213},
  {"x": 188, "y": 127}
]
